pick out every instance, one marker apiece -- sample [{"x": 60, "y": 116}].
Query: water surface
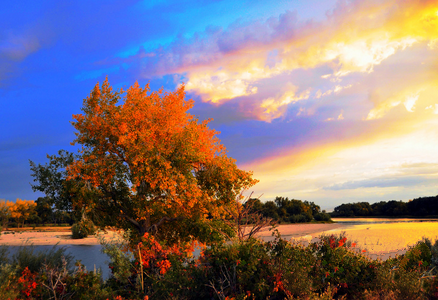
[{"x": 89, "y": 255}]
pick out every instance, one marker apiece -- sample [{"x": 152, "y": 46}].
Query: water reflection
[
  {"x": 364, "y": 221},
  {"x": 89, "y": 255}
]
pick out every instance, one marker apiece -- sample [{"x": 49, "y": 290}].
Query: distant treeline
[
  {"x": 420, "y": 207},
  {"x": 284, "y": 210},
  {"x": 28, "y": 212}
]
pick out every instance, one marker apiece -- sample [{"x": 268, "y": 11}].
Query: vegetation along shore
[{"x": 162, "y": 180}]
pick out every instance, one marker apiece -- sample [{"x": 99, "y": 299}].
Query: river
[
  {"x": 375, "y": 234},
  {"x": 89, "y": 255}
]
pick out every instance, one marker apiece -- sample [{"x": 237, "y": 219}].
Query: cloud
[
  {"x": 380, "y": 182},
  {"x": 434, "y": 108},
  {"x": 224, "y": 64},
  {"x": 274, "y": 107},
  {"x": 403, "y": 97},
  {"x": 379, "y": 164},
  {"x": 14, "y": 48}
]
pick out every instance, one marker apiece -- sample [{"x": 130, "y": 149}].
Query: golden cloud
[
  {"x": 275, "y": 107},
  {"x": 355, "y": 38}
]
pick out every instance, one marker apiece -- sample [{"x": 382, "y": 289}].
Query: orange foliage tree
[
  {"x": 150, "y": 166},
  {"x": 22, "y": 210}
]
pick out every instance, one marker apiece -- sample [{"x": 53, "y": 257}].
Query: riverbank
[
  {"x": 289, "y": 231},
  {"x": 49, "y": 236},
  {"x": 62, "y": 236}
]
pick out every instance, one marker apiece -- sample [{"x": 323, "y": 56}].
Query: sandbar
[
  {"x": 39, "y": 238},
  {"x": 289, "y": 231},
  {"x": 47, "y": 237}
]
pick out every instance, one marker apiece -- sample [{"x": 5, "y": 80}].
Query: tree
[
  {"x": 146, "y": 163},
  {"x": 23, "y": 210},
  {"x": 5, "y": 212},
  {"x": 246, "y": 218},
  {"x": 44, "y": 209},
  {"x": 270, "y": 210},
  {"x": 52, "y": 181}
]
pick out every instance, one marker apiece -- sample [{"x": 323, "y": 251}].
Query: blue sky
[{"x": 326, "y": 101}]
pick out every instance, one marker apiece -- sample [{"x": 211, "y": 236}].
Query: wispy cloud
[
  {"x": 223, "y": 64},
  {"x": 337, "y": 96},
  {"x": 364, "y": 74},
  {"x": 381, "y": 182},
  {"x": 14, "y": 48}
]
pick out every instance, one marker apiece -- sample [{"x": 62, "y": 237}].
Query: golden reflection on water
[{"x": 390, "y": 236}]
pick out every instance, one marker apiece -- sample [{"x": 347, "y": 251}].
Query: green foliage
[
  {"x": 82, "y": 229},
  {"x": 7, "y": 280},
  {"x": 237, "y": 268},
  {"x": 44, "y": 209},
  {"x": 27, "y": 256},
  {"x": 322, "y": 216},
  {"x": 418, "y": 256},
  {"x": 51, "y": 180},
  {"x": 84, "y": 285},
  {"x": 4, "y": 254},
  {"x": 120, "y": 261},
  {"x": 250, "y": 269},
  {"x": 434, "y": 252},
  {"x": 339, "y": 266},
  {"x": 286, "y": 210},
  {"x": 420, "y": 207}
]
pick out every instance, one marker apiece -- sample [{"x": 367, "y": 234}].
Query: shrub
[
  {"x": 7, "y": 281},
  {"x": 338, "y": 265},
  {"x": 325, "y": 217},
  {"x": 26, "y": 256},
  {"x": 84, "y": 285},
  {"x": 121, "y": 261},
  {"x": 244, "y": 269},
  {"x": 4, "y": 254},
  {"x": 301, "y": 218},
  {"x": 234, "y": 269},
  {"x": 82, "y": 229}
]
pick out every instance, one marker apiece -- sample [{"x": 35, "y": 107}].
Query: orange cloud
[
  {"x": 382, "y": 163},
  {"x": 370, "y": 68},
  {"x": 355, "y": 38},
  {"x": 274, "y": 107}
]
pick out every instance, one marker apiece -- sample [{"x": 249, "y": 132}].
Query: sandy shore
[
  {"x": 64, "y": 238},
  {"x": 48, "y": 238},
  {"x": 290, "y": 231}
]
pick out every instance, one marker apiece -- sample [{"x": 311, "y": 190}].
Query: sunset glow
[{"x": 326, "y": 101}]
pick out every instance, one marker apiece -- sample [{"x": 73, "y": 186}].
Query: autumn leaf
[{"x": 148, "y": 163}]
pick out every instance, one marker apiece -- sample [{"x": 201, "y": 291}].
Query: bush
[
  {"x": 121, "y": 262},
  {"x": 237, "y": 268},
  {"x": 325, "y": 217},
  {"x": 13, "y": 225},
  {"x": 26, "y": 256},
  {"x": 4, "y": 254},
  {"x": 83, "y": 229},
  {"x": 7, "y": 280},
  {"x": 84, "y": 285},
  {"x": 301, "y": 218},
  {"x": 250, "y": 269}
]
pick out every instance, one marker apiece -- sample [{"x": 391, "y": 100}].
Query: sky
[{"x": 325, "y": 101}]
